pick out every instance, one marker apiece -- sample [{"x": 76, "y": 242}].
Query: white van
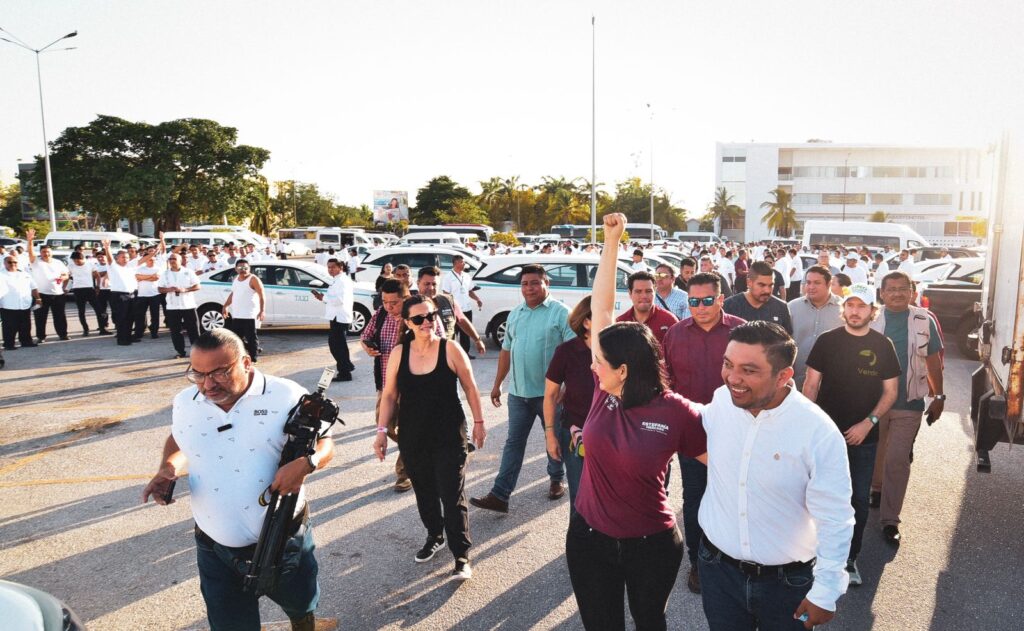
[
  {"x": 858, "y": 233},
  {"x": 698, "y": 237},
  {"x": 209, "y": 239},
  {"x": 339, "y": 238},
  {"x": 432, "y": 238},
  {"x": 64, "y": 241}
]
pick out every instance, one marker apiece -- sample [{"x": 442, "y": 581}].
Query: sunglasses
[
  {"x": 663, "y": 275},
  {"x": 707, "y": 301},
  {"x": 420, "y": 319}
]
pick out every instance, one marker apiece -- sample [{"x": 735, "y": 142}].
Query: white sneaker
[
  {"x": 463, "y": 570},
  {"x": 851, "y": 569}
]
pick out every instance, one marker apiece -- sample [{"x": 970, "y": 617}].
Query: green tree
[
  {"x": 436, "y": 198},
  {"x": 878, "y": 216},
  {"x": 301, "y": 204},
  {"x": 10, "y": 205},
  {"x": 633, "y": 198},
  {"x": 505, "y": 238},
  {"x": 463, "y": 211},
  {"x": 780, "y": 218},
  {"x": 722, "y": 209}
]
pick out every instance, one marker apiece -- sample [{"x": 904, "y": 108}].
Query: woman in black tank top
[{"x": 423, "y": 375}]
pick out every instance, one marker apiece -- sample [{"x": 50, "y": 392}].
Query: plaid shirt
[{"x": 388, "y": 337}]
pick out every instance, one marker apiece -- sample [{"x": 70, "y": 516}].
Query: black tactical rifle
[{"x": 304, "y": 430}]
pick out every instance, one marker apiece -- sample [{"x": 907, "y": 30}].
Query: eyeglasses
[
  {"x": 706, "y": 301},
  {"x": 662, "y": 275},
  {"x": 420, "y": 319},
  {"x": 9, "y": 262},
  {"x": 221, "y": 375}
]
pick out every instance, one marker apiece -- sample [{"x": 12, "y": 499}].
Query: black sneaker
[
  {"x": 429, "y": 549},
  {"x": 892, "y": 535},
  {"x": 463, "y": 570}
]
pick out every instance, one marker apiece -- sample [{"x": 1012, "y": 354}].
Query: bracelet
[
  {"x": 478, "y": 422},
  {"x": 382, "y": 429},
  {"x": 547, "y": 427}
]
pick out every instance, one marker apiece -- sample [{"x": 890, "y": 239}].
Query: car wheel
[
  {"x": 498, "y": 327},
  {"x": 360, "y": 316},
  {"x": 966, "y": 340},
  {"x": 211, "y": 317}
]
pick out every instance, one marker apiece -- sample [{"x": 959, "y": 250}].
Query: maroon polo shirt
[
  {"x": 659, "y": 323},
  {"x": 693, "y": 357}
]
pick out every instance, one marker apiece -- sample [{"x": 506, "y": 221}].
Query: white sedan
[
  {"x": 571, "y": 277},
  {"x": 287, "y": 286}
]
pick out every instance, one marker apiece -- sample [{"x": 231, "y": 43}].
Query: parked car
[
  {"x": 287, "y": 287},
  {"x": 414, "y": 256},
  {"x": 952, "y": 298},
  {"x": 25, "y": 607},
  {"x": 570, "y": 276},
  {"x": 931, "y": 254}
]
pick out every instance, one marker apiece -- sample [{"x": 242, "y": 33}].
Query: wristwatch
[
  {"x": 873, "y": 419},
  {"x": 314, "y": 460},
  {"x": 940, "y": 397}
]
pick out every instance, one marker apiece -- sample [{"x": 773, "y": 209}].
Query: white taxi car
[
  {"x": 415, "y": 256},
  {"x": 287, "y": 287},
  {"x": 571, "y": 277}
]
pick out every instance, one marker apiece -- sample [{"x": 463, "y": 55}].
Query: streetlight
[
  {"x": 39, "y": 76},
  {"x": 652, "y": 170}
]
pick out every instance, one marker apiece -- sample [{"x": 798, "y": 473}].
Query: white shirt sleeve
[{"x": 828, "y": 502}]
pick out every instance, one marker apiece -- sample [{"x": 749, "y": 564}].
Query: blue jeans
[
  {"x": 522, "y": 412},
  {"x": 862, "y": 466},
  {"x": 734, "y": 601},
  {"x": 229, "y": 608},
  {"x": 573, "y": 466},
  {"x": 695, "y": 481}
]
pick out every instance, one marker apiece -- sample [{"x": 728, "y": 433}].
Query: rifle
[{"x": 303, "y": 430}]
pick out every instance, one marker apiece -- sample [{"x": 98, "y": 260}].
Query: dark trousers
[
  {"x": 862, "y": 465},
  {"x": 103, "y": 307},
  {"x": 121, "y": 309},
  {"x": 464, "y": 340},
  {"x": 142, "y": 306},
  {"x": 16, "y": 323},
  {"x": 244, "y": 328},
  {"x": 438, "y": 478},
  {"x": 55, "y": 303},
  {"x": 573, "y": 464},
  {"x": 734, "y": 601},
  {"x": 229, "y": 608},
  {"x": 794, "y": 290},
  {"x": 88, "y": 296},
  {"x": 337, "y": 341},
  {"x": 695, "y": 481},
  {"x": 600, "y": 567},
  {"x": 178, "y": 319}
]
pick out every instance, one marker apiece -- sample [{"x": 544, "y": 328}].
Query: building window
[
  {"x": 730, "y": 223},
  {"x": 934, "y": 199},
  {"x": 888, "y": 172},
  {"x": 850, "y": 199},
  {"x": 734, "y": 158},
  {"x": 807, "y": 198},
  {"x": 785, "y": 173},
  {"x": 887, "y": 199},
  {"x": 957, "y": 229}
]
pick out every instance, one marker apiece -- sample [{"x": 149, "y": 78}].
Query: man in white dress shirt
[
  {"x": 50, "y": 275},
  {"x": 123, "y": 287},
  {"x": 178, "y": 284},
  {"x": 338, "y": 305},
  {"x": 459, "y": 283},
  {"x": 776, "y": 515},
  {"x": 16, "y": 304}
]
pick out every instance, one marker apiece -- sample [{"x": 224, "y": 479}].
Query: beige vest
[{"x": 918, "y": 337}]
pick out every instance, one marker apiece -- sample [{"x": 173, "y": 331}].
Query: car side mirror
[{"x": 317, "y": 283}]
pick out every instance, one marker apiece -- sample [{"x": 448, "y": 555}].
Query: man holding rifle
[{"x": 228, "y": 432}]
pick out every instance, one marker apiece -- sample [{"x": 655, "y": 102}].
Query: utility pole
[{"x": 593, "y": 130}]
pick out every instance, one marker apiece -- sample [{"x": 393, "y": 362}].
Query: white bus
[
  {"x": 858, "y": 233},
  {"x": 302, "y": 238},
  {"x": 643, "y": 231},
  {"x": 707, "y": 238},
  {"x": 464, "y": 230},
  {"x": 64, "y": 242}
]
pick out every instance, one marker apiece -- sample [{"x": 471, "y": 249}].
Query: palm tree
[
  {"x": 780, "y": 218},
  {"x": 722, "y": 209},
  {"x": 491, "y": 192}
]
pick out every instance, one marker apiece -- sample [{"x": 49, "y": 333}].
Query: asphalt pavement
[{"x": 84, "y": 421}]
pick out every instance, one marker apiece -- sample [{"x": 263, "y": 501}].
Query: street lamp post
[
  {"x": 42, "y": 112},
  {"x": 652, "y": 171}
]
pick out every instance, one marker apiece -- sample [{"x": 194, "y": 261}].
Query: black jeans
[
  {"x": 16, "y": 323},
  {"x": 102, "y": 308},
  {"x": 337, "y": 341},
  {"x": 182, "y": 318},
  {"x": 141, "y": 306},
  {"x": 56, "y": 303},
  {"x": 87, "y": 296},
  {"x": 439, "y": 481},
  {"x": 600, "y": 567},
  {"x": 244, "y": 328},
  {"x": 122, "y": 309}
]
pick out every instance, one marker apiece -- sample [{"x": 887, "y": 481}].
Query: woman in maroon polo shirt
[{"x": 623, "y": 536}]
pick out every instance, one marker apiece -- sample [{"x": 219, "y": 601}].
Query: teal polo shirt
[{"x": 531, "y": 336}]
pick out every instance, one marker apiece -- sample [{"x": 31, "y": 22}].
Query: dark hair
[
  {"x": 707, "y": 278},
  {"x": 760, "y": 268},
  {"x": 405, "y": 334},
  {"x": 819, "y": 269},
  {"x": 635, "y": 276},
  {"x": 579, "y": 314},
  {"x": 671, "y": 269},
  {"x": 778, "y": 345},
  {"x": 219, "y": 338},
  {"x": 791, "y": 250},
  {"x": 894, "y": 276},
  {"x": 341, "y": 264},
  {"x": 458, "y": 257},
  {"x": 393, "y": 286},
  {"x": 430, "y": 270},
  {"x": 688, "y": 262},
  {"x": 844, "y": 280},
  {"x": 633, "y": 344},
  {"x": 401, "y": 266},
  {"x": 533, "y": 268},
  {"x": 638, "y": 252},
  {"x": 76, "y": 255},
  {"x": 240, "y": 261}
]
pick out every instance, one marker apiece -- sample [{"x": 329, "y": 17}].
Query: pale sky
[{"x": 385, "y": 94}]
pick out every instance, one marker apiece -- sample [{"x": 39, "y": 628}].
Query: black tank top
[{"x": 429, "y": 411}]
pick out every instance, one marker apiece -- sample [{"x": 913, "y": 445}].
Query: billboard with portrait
[{"x": 389, "y": 206}]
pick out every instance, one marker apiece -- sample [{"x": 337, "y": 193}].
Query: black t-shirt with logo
[{"x": 852, "y": 371}]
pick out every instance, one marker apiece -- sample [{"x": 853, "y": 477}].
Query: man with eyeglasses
[
  {"x": 16, "y": 304},
  {"x": 668, "y": 296},
  {"x": 51, "y": 276},
  {"x": 177, "y": 284},
  {"x": 227, "y": 431},
  {"x": 246, "y": 304},
  {"x": 694, "y": 349}
]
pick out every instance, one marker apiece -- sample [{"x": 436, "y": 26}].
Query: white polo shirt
[
  {"x": 147, "y": 288},
  {"x": 46, "y": 275},
  {"x": 81, "y": 275},
  {"x": 182, "y": 279},
  {"x": 339, "y": 299},
  {"x": 18, "y": 295},
  {"x": 196, "y": 264},
  {"x": 121, "y": 278},
  {"x": 229, "y": 470}
]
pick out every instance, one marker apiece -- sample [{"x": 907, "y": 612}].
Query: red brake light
[{"x": 925, "y": 302}]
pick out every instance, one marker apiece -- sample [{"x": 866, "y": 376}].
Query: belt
[
  {"x": 293, "y": 527},
  {"x": 754, "y": 569}
]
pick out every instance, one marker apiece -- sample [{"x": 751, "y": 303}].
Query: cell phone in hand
[
  {"x": 931, "y": 418},
  {"x": 168, "y": 495}
]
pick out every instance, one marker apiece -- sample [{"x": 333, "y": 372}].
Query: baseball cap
[
  {"x": 851, "y": 256},
  {"x": 860, "y": 290}
]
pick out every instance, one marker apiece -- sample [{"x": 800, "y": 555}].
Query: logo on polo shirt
[
  {"x": 652, "y": 426},
  {"x": 259, "y": 412}
]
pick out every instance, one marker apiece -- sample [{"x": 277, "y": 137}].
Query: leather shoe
[
  {"x": 693, "y": 580},
  {"x": 557, "y": 489},
  {"x": 402, "y": 485},
  {"x": 875, "y": 500},
  {"x": 892, "y": 535},
  {"x": 342, "y": 376},
  {"x": 490, "y": 502}
]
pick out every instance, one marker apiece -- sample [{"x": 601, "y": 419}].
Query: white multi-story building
[{"x": 940, "y": 192}]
